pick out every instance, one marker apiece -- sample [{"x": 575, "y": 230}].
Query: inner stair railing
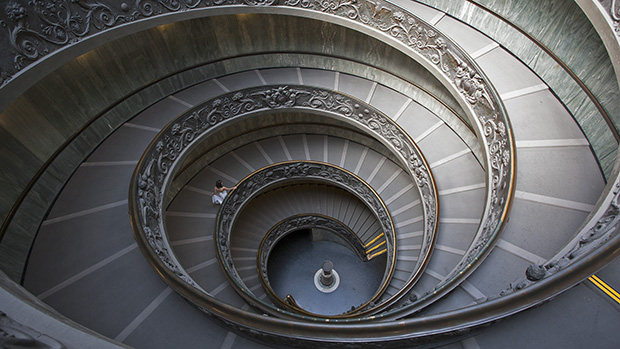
[{"x": 282, "y": 174}]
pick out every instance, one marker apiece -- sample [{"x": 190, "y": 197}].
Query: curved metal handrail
[
  {"x": 285, "y": 173},
  {"x": 462, "y": 74},
  {"x": 290, "y": 225},
  {"x": 155, "y": 169},
  {"x": 487, "y": 111}
]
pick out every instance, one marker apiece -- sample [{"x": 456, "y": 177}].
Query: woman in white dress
[{"x": 219, "y": 192}]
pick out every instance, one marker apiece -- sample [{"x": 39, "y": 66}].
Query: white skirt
[{"x": 219, "y": 197}]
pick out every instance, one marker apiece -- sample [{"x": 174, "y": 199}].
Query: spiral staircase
[{"x": 455, "y": 160}]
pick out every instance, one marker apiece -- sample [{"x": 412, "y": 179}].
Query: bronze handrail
[
  {"x": 462, "y": 74},
  {"x": 158, "y": 163},
  {"x": 304, "y": 221},
  {"x": 284, "y": 173}
]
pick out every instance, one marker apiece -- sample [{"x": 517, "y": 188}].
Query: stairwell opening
[{"x": 295, "y": 259}]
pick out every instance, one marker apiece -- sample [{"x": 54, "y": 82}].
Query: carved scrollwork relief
[
  {"x": 37, "y": 28},
  {"x": 614, "y": 12}
]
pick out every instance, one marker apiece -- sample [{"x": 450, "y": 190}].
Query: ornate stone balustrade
[{"x": 296, "y": 223}]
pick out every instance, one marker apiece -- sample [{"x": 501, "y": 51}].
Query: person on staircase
[{"x": 220, "y": 192}]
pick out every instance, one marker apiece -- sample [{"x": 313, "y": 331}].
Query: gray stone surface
[
  {"x": 180, "y": 317},
  {"x": 469, "y": 39},
  {"x": 387, "y": 101},
  {"x": 72, "y": 248},
  {"x": 499, "y": 270},
  {"x": 467, "y": 204},
  {"x": 125, "y": 144},
  {"x": 92, "y": 187},
  {"x": 41, "y": 323},
  {"x": 568, "y": 173},
  {"x": 450, "y": 144},
  {"x": 577, "y": 318},
  {"x": 355, "y": 86},
  {"x": 131, "y": 286},
  {"x": 460, "y": 172},
  {"x": 539, "y": 116},
  {"x": 458, "y": 236},
  {"x": 554, "y": 225},
  {"x": 506, "y": 73}
]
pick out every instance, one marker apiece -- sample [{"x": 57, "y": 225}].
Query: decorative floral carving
[
  {"x": 615, "y": 15},
  {"x": 37, "y": 28},
  {"x": 280, "y": 97},
  {"x": 50, "y": 24},
  {"x": 15, "y": 11},
  {"x": 470, "y": 83},
  {"x": 259, "y": 2}
]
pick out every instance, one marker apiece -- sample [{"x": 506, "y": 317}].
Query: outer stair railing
[{"x": 453, "y": 66}]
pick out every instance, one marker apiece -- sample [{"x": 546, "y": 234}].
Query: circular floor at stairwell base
[{"x": 296, "y": 258}]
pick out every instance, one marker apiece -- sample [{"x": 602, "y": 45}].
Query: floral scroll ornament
[
  {"x": 328, "y": 101},
  {"x": 413, "y": 33},
  {"x": 469, "y": 83},
  {"x": 259, "y": 2},
  {"x": 615, "y": 15},
  {"x": 37, "y": 31},
  {"x": 280, "y": 97}
]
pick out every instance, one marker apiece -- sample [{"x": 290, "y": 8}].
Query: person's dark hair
[{"x": 218, "y": 183}]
